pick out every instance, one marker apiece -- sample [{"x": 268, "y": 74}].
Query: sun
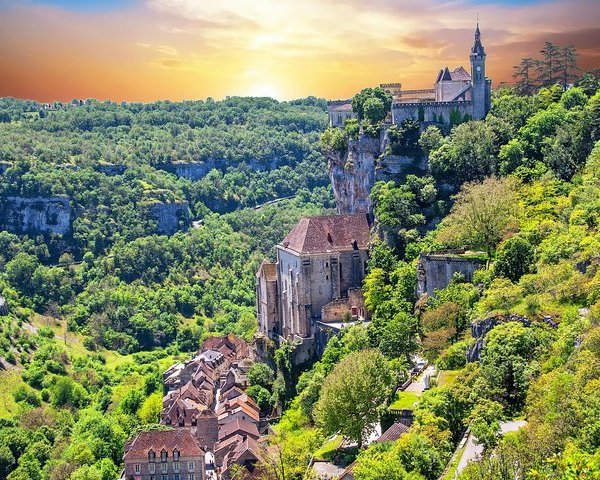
[{"x": 265, "y": 89}]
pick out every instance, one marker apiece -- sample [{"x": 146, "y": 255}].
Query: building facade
[
  {"x": 164, "y": 455},
  {"x": 455, "y": 93},
  {"x": 321, "y": 260}
]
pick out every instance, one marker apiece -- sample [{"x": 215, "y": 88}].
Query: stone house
[
  {"x": 164, "y": 455},
  {"x": 321, "y": 260}
]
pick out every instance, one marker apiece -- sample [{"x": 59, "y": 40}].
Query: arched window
[
  {"x": 175, "y": 455},
  {"x": 163, "y": 456},
  {"x": 151, "y": 456}
]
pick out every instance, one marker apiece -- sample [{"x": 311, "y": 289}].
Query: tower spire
[{"x": 477, "y": 48}]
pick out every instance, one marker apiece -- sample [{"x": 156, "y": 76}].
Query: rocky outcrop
[
  {"x": 480, "y": 328},
  {"x": 170, "y": 217},
  {"x": 198, "y": 170},
  {"x": 352, "y": 174},
  {"x": 36, "y": 215},
  {"x": 435, "y": 270},
  {"x": 364, "y": 162},
  {"x": 110, "y": 169},
  {"x": 3, "y": 307}
]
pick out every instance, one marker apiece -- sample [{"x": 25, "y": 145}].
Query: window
[
  {"x": 151, "y": 456},
  {"x": 175, "y": 455},
  {"x": 191, "y": 476},
  {"x": 164, "y": 467},
  {"x": 163, "y": 456},
  {"x": 191, "y": 466},
  {"x": 176, "y": 476},
  {"x": 152, "y": 468},
  {"x": 164, "y": 477},
  {"x": 137, "y": 468},
  {"x": 176, "y": 467},
  {"x": 152, "y": 477}
]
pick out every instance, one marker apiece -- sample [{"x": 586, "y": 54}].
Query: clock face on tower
[{"x": 478, "y": 69}]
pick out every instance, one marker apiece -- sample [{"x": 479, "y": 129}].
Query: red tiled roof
[
  {"x": 393, "y": 433},
  {"x": 329, "y": 233},
  {"x": 180, "y": 439},
  {"x": 238, "y": 426}
]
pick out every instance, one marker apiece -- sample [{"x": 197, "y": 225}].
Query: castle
[
  {"x": 455, "y": 92},
  {"x": 315, "y": 282}
]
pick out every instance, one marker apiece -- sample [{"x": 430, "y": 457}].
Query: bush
[{"x": 515, "y": 258}]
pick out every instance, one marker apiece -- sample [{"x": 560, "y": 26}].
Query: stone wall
[
  {"x": 36, "y": 215},
  {"x": 435, "y": 270},
  {"x": 429, "y": 111},
  {"x": 170, "y": 217}
]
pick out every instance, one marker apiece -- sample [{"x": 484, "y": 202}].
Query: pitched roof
[
  {"x": 393, "y": 433},
  {"x": 243, "y": 427},
  {"x": 157, "y": 440},
  {"x": 460, "y": 74},
  {"x": 329, "y": 233}
]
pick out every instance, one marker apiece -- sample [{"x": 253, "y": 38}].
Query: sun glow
[{"x": 265, "y": 89}]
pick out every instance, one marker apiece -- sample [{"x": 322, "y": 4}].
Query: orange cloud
[{"x": 181, "y": 49}]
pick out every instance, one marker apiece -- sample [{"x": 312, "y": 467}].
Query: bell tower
[{"x": 480, "y": 84}]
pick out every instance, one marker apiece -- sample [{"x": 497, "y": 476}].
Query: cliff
[
  {"x": 198, "y": 170},
  {"x": 170, "y": 217},
  {"x": 36, "y": 215},
  {"x": 354, "y": 171}
]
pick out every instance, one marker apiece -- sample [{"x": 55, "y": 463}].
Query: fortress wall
[{"x": 431, "y": 110}]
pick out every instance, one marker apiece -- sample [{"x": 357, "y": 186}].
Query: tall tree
[
  {"x": 548, "y": 67},
  {"x": 525, "y": 83},
  {"x": 482, "y": 214},
  {"x": 567, "y": 65},
  {"x": 353, "y": 394}
]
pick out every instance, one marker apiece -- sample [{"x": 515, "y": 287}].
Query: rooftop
[
  {"x": 180, "y": 439},
  {"x": 330, "y": 233}
]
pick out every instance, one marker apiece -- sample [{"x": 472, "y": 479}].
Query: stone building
[
  {"x": 455, "y": 93},
  {"x": 164, "y": 455},
  {"x": 321, "y": 260},
  {"x": 435, "y": 270}
]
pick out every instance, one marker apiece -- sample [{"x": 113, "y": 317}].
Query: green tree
[
  {"x": 481, "y": 214},
  {"x": 360, "y": 100},
  {"x": 515, "y": 258},
  {"x": 485, "y": 422},
  {"x": 261, "y": 374},
  {"x": 353, "y": 394}
]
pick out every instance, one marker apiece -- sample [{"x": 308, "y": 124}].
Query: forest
[{"x": 96, "y": 316}]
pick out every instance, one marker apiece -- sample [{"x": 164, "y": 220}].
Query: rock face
[
  {"x": 36, "y": 215},
  {"x": 110, "y": 169},
  {"x": 170, "y": 217},
  {"x": 354, "y": 172},
  {"x": 198, "y": 170},
  {"x": 480, "y": 328},
  {"x": 3, "y": 307},
  {"x": 436, "y": 269}
]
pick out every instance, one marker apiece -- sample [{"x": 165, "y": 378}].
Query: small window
[
  {"x": 176, "y": 467},
  {"x": 191, "y": 466},
  {"x": 176, "y": 476},
  {"x": 152, "y": 468},
  {"x": 137, "y": 468},
  {"x": 326, "y": 264},
  {"x": 151, "y": 456},
  {"x": 163, "y": 456},
  {"x": 191, "y": 476},
  {"x": 164, "y": 467},
  {"x": 326, "y": 277},
  {"x": 164, "y": 477},
  {"x": 175, "y": 455}
]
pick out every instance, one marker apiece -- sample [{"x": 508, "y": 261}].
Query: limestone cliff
[
  {"x": 170, "y": 217},
  {"x": 36, "y": 214},
  {"x": 366, "y": 161},
  {"x": 352, "y": 174}
]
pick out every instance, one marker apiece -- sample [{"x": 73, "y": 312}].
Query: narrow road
[{"x": 474, "y": 451}]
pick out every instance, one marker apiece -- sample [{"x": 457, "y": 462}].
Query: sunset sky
[{"x": 188, "y": 49}]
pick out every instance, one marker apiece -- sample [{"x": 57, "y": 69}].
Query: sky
[{"x": 145, "y": 50}]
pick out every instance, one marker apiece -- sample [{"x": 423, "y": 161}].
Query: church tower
[{"x": 481, "y": 89}]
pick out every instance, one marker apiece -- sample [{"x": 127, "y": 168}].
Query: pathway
[
  {"x": 418, "y": 384},
  {"x": 474, "y": 451}
]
